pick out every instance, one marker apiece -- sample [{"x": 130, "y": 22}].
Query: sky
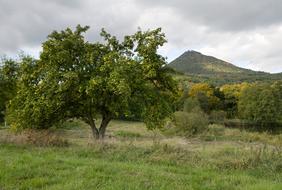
[{"x": 247, "y": 33}]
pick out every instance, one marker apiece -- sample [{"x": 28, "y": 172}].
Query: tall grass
[
  {"x": 219, "y": 158},
  {"x": 107, "y": 166}
]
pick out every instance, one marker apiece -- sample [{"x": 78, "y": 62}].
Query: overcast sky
[{"x": 247, "y": 33}]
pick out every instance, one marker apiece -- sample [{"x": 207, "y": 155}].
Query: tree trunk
[
  {"x": 95, "y": 132},
  {"x": 90, "y": 121},
  {"x": 102, "y": 130},
  {"x": 98, "y": 133}
]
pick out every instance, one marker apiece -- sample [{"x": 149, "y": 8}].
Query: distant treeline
[{"x": 257, "y": 105}]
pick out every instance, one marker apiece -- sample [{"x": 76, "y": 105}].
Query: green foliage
[
  {"x": 70, "y": 124},
  {"x": 190, "y": 123},
  {"x": 205, "y": 94},
  {"x": 78, "y": 79},
  {"x": 217, "y": 116},
  {"x": 231, "y": 96},
  {"x": 262, "y": 104},
  {"x": 183, "y": 91},
  {"x": 191, "y": 104},
  {"x": 8, "y": 75}
]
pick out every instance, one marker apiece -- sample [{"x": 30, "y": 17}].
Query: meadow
[{"x": 131, "y": 157}]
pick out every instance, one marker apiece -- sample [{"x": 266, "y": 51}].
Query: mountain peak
[
  {"x": 197, "y": 66},
  {"x": 193, "y": 62},
  {"x": 192, "y": 52}
]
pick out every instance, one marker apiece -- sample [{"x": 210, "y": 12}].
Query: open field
[{"x": 133, "y": 158}]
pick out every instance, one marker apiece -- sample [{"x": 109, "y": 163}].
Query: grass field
[{"x": 133, "y": 158}]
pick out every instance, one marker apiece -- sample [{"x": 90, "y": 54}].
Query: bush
[
  {"x": 217, "y": 116},
  {"x": 43, "y": 138},
  {"x": 191, "y": 104},
  {"x": 190, "y": 124},
  {"x": 34, "y": 137}
]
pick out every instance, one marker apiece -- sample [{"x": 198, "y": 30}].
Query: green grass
[
  {"x": 148, "y": 160},
  {"x": 219, "y": 133},
  {"x": 127, "y": 134}
]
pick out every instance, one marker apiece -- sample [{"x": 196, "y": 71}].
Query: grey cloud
[
  {"x": 231, "y": 15},
  {"x": 28, "y": 22},
  {"x": 245, "y": 32}
]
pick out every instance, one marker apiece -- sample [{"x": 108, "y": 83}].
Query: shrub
[
  {"x": 43, "y": 138},
  {"x": 190, "y": 124},
  {"x": 191, "y": 104},
  {"x": 34, "y": 137},
  {"x": 217, "y": 116}
]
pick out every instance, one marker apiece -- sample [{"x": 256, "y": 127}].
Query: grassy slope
[{"x": 133, "y": 158}]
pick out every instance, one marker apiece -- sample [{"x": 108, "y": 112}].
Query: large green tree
[{"x": 75, "y": 78}]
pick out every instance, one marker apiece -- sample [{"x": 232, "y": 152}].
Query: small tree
[
  {"x": 190, "y": 123},
  {"x": 76, "y": 78}
]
